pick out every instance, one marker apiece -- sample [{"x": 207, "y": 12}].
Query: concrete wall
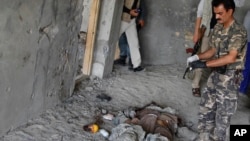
[
  {"x": 169, "y": 29},
  {"x": 107, "y": 36},
  {"x": 85, "y": 15},
  {"x": 38, "y": 56}
]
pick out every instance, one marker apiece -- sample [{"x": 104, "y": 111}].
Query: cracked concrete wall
[
  {"x": 38, "y": 56},
  {"x": 169, "y": 29}
]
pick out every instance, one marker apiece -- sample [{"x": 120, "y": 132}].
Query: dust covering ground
[{"x": 163, "y": 85}]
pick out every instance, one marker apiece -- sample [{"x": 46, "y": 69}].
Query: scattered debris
[
  {"x": 93, "y": 128},
  {"x": 130, "y": 112},
  {"x": 89, "y": 88},
  {"x": 104, "y": 97},
  {"x": 155, "y": 137},
  {"x": 104, "y": 111},
  {"x": 127, "y": 132},
  {"x": 104, "y": 133},
  {"x": 187, "y": 134},
  {"x": 108, "y": 117}
]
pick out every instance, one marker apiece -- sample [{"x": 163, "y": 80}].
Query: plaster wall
[
  {"x": 85, "y": 14},
  {"x": 169, "y": 29},
  {"x": 107, "y": 36},
  {"x": 38, "y": 56}
]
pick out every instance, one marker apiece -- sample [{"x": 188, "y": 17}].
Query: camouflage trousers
[{"x": 218, "y": 104}]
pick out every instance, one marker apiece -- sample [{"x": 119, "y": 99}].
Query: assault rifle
[{"x": 195, "y": 49}]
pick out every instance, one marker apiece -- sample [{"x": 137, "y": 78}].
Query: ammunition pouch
[{"x": 221, "y": 70}]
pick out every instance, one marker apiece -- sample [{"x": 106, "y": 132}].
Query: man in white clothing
[
  {"x": 204, "y": 21},
  {"x": 128, "y": 25}
]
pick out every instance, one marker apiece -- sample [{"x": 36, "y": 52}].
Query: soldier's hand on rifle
[
  {"x": 198, "y": 64},
  {"x": 192, "y": 59}
]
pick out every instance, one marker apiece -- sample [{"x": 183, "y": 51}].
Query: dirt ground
[{"x": 163, "y": 85}]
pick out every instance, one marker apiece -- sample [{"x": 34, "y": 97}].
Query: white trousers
[{"x": 133, "y": 42}]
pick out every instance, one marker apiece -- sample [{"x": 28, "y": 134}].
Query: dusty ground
[{"x": 161, "y": 84}]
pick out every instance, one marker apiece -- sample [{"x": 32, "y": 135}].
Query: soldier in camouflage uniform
[{"x": 226, "y": 57}]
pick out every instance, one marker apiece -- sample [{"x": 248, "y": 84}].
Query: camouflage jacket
[{"x": 233, "y": 37}]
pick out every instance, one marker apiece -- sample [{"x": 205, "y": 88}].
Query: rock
[
  {"x": 89, "y": 89},
  {"x": 184, "y": 132}
]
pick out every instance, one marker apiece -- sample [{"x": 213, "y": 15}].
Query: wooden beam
[
  {"x": 91, "y": 35},
  {"x": 117, "y": 52},
  {"x": 80, "y": 78}
]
